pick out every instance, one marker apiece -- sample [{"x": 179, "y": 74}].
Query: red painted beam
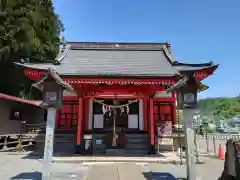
[
  {"x": 169, "y": 80},
  {"x": 70, "y": 98},
  {"x": 80, "y": 119},
  {"x": 114, "y": 97},
  {"x": 117, "y": 89},
  {"x": 32, "y": 74},
  {"x": 86, "y": 113},
  {"x": 145, "y": 114}
]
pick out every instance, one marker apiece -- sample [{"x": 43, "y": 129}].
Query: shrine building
[{"x": 130, "y": 78}]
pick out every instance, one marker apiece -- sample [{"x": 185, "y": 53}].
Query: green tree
[
  {"x": 221, "y": 108},
  {"x": 29, "y": 30}
]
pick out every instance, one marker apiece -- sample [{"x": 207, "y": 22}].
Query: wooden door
[{"x": 163, "y": 114}]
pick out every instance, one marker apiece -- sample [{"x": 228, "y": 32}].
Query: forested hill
[{"x": 225, "y": 107}]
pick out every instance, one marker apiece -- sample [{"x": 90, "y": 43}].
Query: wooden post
[
  {"x": 79, "y": 125},
  {"x": 152, "y": 149},
  {"x": 86, "y": 113},
  {"x": 145, "y": 118},
  {"x": 48, "y": 149}
]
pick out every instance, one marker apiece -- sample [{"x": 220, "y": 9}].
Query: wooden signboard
[{"x": 165, "y": 141}]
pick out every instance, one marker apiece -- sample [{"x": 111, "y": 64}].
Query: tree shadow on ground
[
  {"x": 28, "y": 176},
  {"x": 160, "y": 176}
]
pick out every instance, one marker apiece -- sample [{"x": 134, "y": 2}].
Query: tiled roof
[
  {"x": 118, "y": 59},
  {"x": 137, "y": 61}
]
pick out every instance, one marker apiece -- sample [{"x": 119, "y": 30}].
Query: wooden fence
[{"x": 15, "y": 142}]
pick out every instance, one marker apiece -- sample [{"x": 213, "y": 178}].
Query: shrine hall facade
[{"x": 106, "y": 74}]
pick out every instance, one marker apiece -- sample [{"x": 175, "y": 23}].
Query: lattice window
[
  {"x": 163, "y": 111},
  {"x": 68, "y": 116},
  {"x": 163, "y": 114}
]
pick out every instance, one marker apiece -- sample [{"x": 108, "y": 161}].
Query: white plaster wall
[
  {"x": 90, "y": 114},
  {"x": 141, "y": 123}
]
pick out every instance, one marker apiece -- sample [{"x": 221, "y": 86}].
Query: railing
[
  {"x": 15, "y": 142},
  {"x": 34, "y": 128},
  {"x": 220, "y": 136}
]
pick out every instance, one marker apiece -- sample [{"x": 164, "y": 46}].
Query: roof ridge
[
  {"x": 168, "y": 54},
  {"x": 112, "y": 45},
  {"x": 100, "y": 42},
  {"x": 66, "y": 49}
]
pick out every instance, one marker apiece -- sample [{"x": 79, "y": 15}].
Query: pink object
[{"x": 13, "y": 98}]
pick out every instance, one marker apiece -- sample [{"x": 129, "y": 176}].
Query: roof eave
[
  {"x": 177, "y": 63},
  {"x": 209, "y": 69},
  {"x": 22, "y": 65}
]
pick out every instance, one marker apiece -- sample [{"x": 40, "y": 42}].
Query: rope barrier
[
  {"x": 116, "y": 106},
  {"x": 115, "y": 136}
]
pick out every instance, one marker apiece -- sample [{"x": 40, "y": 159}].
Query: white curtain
[
  {"x": 98, "y": 121},
  {"x": 141, "y": 115},
  {"x": 133, "y": 121}
]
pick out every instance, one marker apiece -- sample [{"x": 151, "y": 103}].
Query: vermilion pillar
[
  {"x": 145, "y": 114},
  {"x": 79, "y": 126},
  {"x": 151, "y": 124},
  {"x": 86, "y": 113}
]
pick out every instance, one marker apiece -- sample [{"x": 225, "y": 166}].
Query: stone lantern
[
  {"x": 186, "y": 89},
  {"x": 52, "y": 87}
]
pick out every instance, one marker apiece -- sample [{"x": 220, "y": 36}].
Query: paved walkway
[
  {"x": 21, "y": 167},
  {"x": 119, "y": 171}
]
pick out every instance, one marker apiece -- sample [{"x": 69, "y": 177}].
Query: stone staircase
[{"x": 137, "y": 144}]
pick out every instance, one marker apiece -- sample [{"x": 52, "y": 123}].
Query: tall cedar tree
[{"x": 29, "y": 29}]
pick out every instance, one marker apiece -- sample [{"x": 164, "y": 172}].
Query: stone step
[
  {"x": 136, "y": 146},
  {"x": 116, "y": 152},
  {"x": 136, "y": 136},
  {"x": 134, "y": 140},
  {"x": 136, "y": 152}
]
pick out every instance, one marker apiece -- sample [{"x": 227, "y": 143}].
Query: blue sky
[{"x": 199, "y": 31}]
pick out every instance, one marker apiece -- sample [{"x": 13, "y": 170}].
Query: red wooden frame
[
  {"x": 151, "y": 117},
  {"x": 35, "y": 75},
  {"x": 86, "y": 114},
  {"x": 80, "y": 119},
  {"x": 145, "y": 114}
]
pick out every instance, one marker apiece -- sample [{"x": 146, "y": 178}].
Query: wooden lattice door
[
  {"x": 68, "y": 116},
  {"x": 163, "y": 113}
]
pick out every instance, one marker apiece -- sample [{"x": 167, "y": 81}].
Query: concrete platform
[{"x": 163, "y": 158}]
